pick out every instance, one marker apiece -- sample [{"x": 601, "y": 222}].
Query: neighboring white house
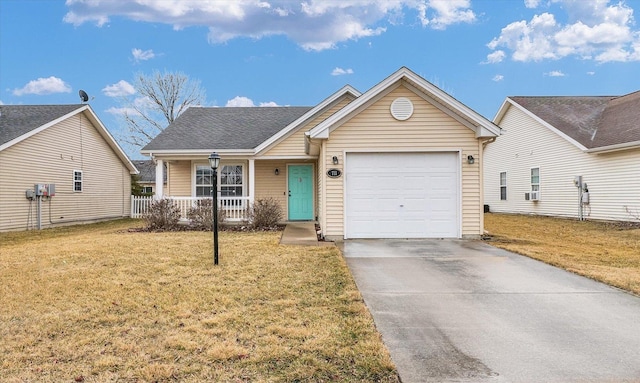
[
  {"x": 573, "y": 157},
  {"x": 66, "y": 146}
]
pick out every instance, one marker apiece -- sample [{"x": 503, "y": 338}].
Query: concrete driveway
[{"x": 464, "y": 311}]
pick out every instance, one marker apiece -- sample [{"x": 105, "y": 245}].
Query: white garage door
[{"x": 402, "y": 195}]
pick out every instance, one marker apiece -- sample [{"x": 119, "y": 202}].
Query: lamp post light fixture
[{"x": 214, "y": 161}]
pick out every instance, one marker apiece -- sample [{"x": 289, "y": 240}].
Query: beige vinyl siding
[
  {"x": 429, "y": 129},
  {"x": 51, "y": 156},
  {"x": 269, "y": 185},
  {"x": 613, "y": 179},
  {"x": 293, "y": 144},
  {"x": 179, "y": 178}
]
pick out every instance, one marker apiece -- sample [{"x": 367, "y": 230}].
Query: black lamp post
[{"x": 214, "y": 161}]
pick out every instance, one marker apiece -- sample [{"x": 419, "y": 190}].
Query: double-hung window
[
  {"x": 77, "y": 181},
  {"x": 204, "y": 181},
  {"x": 231, "y": 181},
  {"x": 503, "y": 186},
  {"x": 535, "y": 179}
]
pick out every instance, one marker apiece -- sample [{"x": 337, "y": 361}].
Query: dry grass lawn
[
  {"x": 98, "y": 303},
  {"x": 608, "y": 252}
]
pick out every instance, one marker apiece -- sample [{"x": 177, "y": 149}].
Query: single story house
[
  {"x": 147, "y": 176},
  {"x": 401, "y": 160},
  {"x": 59, "y": 165},
  {"x": 575, "y": 157}
]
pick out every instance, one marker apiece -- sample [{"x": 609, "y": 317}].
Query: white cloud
[
  {"x": 240, "y": 101},
  {"x": 495, "y": 57},
  {"x": 122, "y": 111},
  {"x": 498, "y": 78},
  {"x": 140, "y": 55},
  {"x": 313, "y": 24},
  {"x": 340, "y": 71},
  {"x": 600, "y": 31},
  {"x": 42, "y": 86},
  {"x": 555, "y": 73},
  {"x": 119, "y": 89},
  {"x": 447, "y": 12},
  {"x": 531, "y": 3},
  {"x": 591, "y": 73}
]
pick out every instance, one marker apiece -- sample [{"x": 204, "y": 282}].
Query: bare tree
[{"x": 160, "y": 99}]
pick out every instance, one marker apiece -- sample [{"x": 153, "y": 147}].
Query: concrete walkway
[{"x": 300, "y": 233}]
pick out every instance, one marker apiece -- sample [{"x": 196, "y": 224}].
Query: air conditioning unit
[{"x": 535, "y": 195}]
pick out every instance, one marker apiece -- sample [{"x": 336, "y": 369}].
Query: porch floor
[{"x": 301, "y": 233}]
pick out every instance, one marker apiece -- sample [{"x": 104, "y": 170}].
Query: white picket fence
[{"x": 235, "y": 208}]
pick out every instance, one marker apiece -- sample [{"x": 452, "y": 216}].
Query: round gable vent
[{"x": 401, "y": 108}]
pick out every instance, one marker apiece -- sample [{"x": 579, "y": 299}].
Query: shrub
[
  {"x": 201, "y": 215},
  {"x": 265, "y": 214},
  {"x": 163, "y": 215}
]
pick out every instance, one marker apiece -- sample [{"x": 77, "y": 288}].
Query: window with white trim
[
  {"x": 503, "y": 186},
  {"x": 77, "y": 181},
  {"x": 535, "y": 179},
  {"x": 231, "y": 181},
  {"x": 204, "y": 181}
]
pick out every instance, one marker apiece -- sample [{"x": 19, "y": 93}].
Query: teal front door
[{"x": 300, "y": 182}]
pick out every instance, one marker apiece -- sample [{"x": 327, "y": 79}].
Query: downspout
[
  {"x": 481, "y": 171},
  {"x": 486, "y": 142},
  {"x": 308, "y": 143}
]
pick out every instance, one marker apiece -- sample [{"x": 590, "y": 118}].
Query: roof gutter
[
  {"x": 197, "y": 152},
  {"x": 614, "y": 148}
]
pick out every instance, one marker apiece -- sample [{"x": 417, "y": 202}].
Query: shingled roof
[
  {"x": 594, "y": 122},
  {"x": 18, "y": 120},
  {"x": 147, "y": 170},
  {"x": 234, "y": 128}
]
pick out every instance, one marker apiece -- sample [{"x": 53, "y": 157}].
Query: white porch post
[
  {"x": 159, "y": 179},
  {"x": 252, "y": 181}
]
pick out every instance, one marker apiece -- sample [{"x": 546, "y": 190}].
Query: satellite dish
[{"x": 83, "y": 95}]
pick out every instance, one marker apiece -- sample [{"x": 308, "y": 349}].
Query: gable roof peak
[
  {"x": 19, "y": 122},
  {"x": 594, "y": 123},
  {"x": 482, "y": 126}
]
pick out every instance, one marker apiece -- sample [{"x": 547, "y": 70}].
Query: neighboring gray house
[
  {"x": 549, "y": 144},
  {"x": 66, "y": 146},
  {"x": 147, "y": 176}
]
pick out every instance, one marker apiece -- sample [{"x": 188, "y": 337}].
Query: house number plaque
[{"x": 334, "y": 173}]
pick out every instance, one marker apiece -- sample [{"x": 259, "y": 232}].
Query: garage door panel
[{"x": 401, "y": 195}]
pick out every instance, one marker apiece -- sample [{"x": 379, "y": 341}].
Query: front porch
[{"x": 242, "y": 181}]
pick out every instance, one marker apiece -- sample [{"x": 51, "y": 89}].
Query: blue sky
[{"x": 274, "y": 52}]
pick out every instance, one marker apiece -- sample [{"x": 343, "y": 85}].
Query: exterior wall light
[
  {"x": 470, "y": 159},
  {"x": 335, "y": 160},
  {"x": 276, "y": 172}
]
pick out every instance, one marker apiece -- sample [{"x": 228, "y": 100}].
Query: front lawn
[
  {"x": 98, "y": 303},
  {"x": 605, "y": 251}
]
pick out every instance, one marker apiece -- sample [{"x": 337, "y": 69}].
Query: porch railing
[{"x": 235, "y": 208}]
